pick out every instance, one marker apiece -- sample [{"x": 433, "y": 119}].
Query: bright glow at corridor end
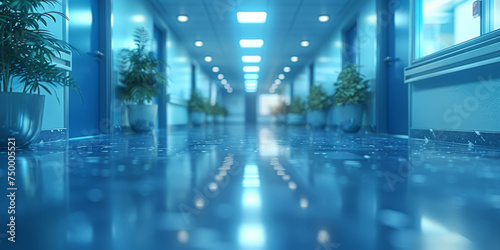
[{"x": 251, "y": 17}]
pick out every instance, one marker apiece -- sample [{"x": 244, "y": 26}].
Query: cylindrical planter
[
  {"x": 316, "y": 118},
  {"x": 349, "y": 117},
  {"x": 142, "y": 118},
  {"x": 210, "y": 119},
  {"x": 219, "y": 119},
  {"x": 296, "y": 119},
  {"x": 21, "y": 117},
  {"x": 196, "y": 118}
]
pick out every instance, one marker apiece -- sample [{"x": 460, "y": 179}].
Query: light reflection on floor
[{"x": 237, "y": 187}]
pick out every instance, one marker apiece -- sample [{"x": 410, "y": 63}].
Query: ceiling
[{"x": 288, "y": 23}]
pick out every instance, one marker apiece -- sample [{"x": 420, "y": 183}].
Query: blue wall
[
  {"x": 458, "y": 101},
  {"x": 328, "y": 62},
  {"x": 128, "y": 14}
]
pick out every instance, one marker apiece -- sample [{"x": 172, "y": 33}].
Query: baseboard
[
  {"x": 475, "y": 137},
  {"x": 52, "y": 135}
]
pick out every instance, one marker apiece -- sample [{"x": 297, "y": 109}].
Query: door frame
[{"x": 105, "y": 68}]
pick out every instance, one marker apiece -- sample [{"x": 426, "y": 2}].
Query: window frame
[{"x": 416, "y": 15}]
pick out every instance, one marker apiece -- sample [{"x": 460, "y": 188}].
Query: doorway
[
  {"x": 397, "y": 54},
  {"x": 87, "y": 33}
]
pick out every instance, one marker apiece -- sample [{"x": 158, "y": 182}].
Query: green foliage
[
  {"x": 318, "y": 99},
  {"x": 217, "y": 109},
  {"x": 197, "y": 102},
  {"x": 27, "y": 47},
  {"x": 351, "y": 87},
  {"x": 297, "y": 106},
  {"x": 139, "y": 71}
]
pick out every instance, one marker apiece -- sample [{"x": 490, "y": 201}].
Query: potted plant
[
  {"x": 197, "y": 108},
  {"x": 27, "y": 50},
  {"x": 279, "y": 112},
  {"x": 349, "y": 97},
  {"x": 296, "y": 112},
  {"x": 142, "y": 81},
  {"x": 220, "y": 113},
  {"x": 318, "y": 102},
  {"x": 210, "y": 112}
]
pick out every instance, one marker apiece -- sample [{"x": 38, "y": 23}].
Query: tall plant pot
[
  {"x": 350, "y": 117},
  {"x": 20, "y": 117},
  {"x": 219, "y": 119},
  {"x": 316, "y": 118},
  {"x": 142, "y": 118},
  {"x": 296, "y": 119},
  {"x": 196, "y": 118}
]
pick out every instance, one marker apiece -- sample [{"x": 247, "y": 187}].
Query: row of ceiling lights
[{"x": 251, "y": 71}]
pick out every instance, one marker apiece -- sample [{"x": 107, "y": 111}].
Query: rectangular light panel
[
  {"x": 251, "y": 69},
  {"x": 251, "y": 17},
  {"x": 251, "y": 59},
  {"x": 251, "y": 76},
  {"x": 251, "y": 43}
]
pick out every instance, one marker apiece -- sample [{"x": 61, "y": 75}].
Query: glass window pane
[
  {"x": 496, "y": 16},
  {"x": 445, "y": 23}
]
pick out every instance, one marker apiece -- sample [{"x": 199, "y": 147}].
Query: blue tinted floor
[{"x": 238, "y": 187}]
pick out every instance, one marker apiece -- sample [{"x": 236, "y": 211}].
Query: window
[{"x": 443, "y": 23}]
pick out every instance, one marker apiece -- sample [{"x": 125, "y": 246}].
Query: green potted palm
[
  {"x": 318, "y": 102},
  {"x": 349, "y": 97},
  {"x": 296, "y": 112},
  {"x": 220, "y": 113},
  {"x": 27, "y": 71},
  {"x": 197, "y": 108},
  {"x": 142, "y": 81},
  {"x": 210, "y": 112}
]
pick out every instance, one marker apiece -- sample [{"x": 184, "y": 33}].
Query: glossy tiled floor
[{"x": 237, "y": 187}]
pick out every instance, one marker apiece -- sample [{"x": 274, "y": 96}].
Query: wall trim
[
  {"x": 52, "y": 135},
  {"x": 477, "y": 138}
]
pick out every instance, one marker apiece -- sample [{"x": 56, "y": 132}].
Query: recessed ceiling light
[
  {"x": 294, "y": 59},
  {"x": 182, "y": 18},
  {"x": 251, "y": 17},
  {"x": 215, "y": 69},
  {"x": 251, "y": 43},
  {"x": 198, "y": 44},
  {"x": 281, "y": 76},
  {"x": 324, "y": 18},
  {"x": 208, "y": 59},
  {"x": 223, "y": 81},
  {"x": 227, "y": 86},
  {"x": 220, "y": 76},
  {"x": 277, "y": 81},
  {"x": 272, "y": 91},
  {"x": 251, "y": 69},
  {"x": 138, "y": 18},
  {"x": 304, "y": 43},
  {"x": 230, "y": 91},
  {"x": 251, "y": 82},
  {"x": 251, "y": 59},
  {"x": 251, "y": 76},
  {"x": 287, "y": 69}
]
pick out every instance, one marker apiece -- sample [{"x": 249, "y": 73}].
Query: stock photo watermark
[
  {"x": 11, "y": 189},
  {"x": 471, "y": 103}
]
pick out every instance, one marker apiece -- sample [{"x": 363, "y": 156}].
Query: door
[
  {"x": 84, "y": 35},
  {"x": 251, "y": 108},
  {"x": 396, "y": 61},
  {"x": 158, "y": 49}
]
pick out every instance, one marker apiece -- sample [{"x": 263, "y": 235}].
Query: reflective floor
[{"x": 238, "y": 187}]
